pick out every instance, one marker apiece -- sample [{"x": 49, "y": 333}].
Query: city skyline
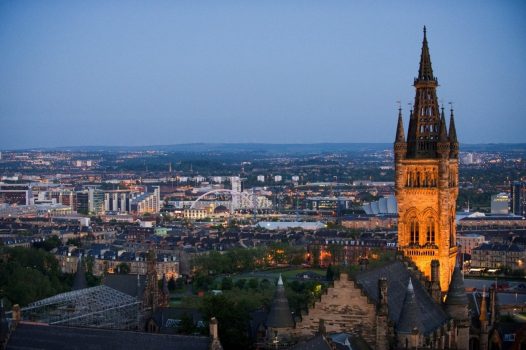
[{"x": 173, "y": 73}]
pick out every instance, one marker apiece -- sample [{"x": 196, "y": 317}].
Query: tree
[
  {"x": 202, "y": 282},
  {"x": 227, "y": 283},
  {"x": 27, "y": 275},
  {"x": 187, "y": 325},
  {"x": 49, "y": 244},
  {"x": 253, "y": 283},
  {"x": 240, "y": 283},
  {"x": 264, "y": 284},
  {"x": 315, "y": 255},
  {"x": 330, "y": 273},
  {"x": 233, "y": 318},
  {"x": 74, "y": 241},
  {"x": 123, "y": 269},
  {"x": 90, "y": 262},
  {"x": 171, "y": 284},
  {"x": 179, "y": 283}
]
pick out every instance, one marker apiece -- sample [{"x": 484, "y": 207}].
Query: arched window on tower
[
  {"x": 430, "y": 230},
  {"x": 414, "y": 234}
]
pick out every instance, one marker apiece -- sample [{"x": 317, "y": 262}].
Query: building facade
[
  {"x": 499, "y": 204},
  {"x": 149, "y": 202},
  {"x": 498, "y": 256},
  {"x": 426, "y": 178},
  {"x": 518, "y": 198},
  {"x": 469, "y": 241}
]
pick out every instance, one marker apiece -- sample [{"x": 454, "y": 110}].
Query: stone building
[
  {"x": 467, "y": 242},
  {"x": 426, "y": 178},
  {"x": 418, "y": 300},
  {"x": 394, "y": 306},
  {"x": 495, "y": 256}
]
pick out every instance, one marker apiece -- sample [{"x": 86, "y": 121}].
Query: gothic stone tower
[{"x": 426, "y": 168}]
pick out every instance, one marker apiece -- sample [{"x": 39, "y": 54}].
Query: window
[
  {"x": 414, "y": 231},
  {"x": 430, "y": 232}
]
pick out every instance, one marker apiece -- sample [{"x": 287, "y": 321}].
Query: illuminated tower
[{"x": 426, "y": 167}]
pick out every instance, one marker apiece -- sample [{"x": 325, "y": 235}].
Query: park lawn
[{"x": 293, "y": 273}]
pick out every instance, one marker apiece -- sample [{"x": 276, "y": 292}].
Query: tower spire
[
  {"x": 426, "y": 162},
  {"x": 453, "y": 136},
  {"x": 443, "y": 133},
  {"x": 425, "y": 71},
  {"x": 400, "y": 136},
  {"x": 425, "y": 124},
  {"x": 483, "y": 308},
  {"x": 452, "y": 129}
]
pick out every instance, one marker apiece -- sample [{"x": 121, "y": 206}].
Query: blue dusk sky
[{"x": 166, "y": 72}]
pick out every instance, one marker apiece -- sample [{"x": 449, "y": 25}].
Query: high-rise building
[
  {"x": 90, "y": 201},
  {"x": 499, "y": 204},
  {"x": 118, "y": 201},
  {"x": 148, "y": 202},
  {"x": 426, "y": 183},
  {"x": 235, "y": 182},
  {"x": 65, "y": 197},
  {"x": 518, "y": 198},
  {"x": 18, "y": 194}
]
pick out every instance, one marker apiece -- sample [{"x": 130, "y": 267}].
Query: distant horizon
[
  {"x": 151, "y": 73},
  {"x": 261, "y": 144}
]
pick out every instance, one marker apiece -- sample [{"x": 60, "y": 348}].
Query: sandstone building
[{"x": 418, "y": 300}]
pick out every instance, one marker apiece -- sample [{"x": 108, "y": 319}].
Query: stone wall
[{"x": 345, "y": 309}]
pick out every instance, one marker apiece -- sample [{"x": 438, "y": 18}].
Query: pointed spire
[
  {"x": 400, "y": 136},
  {"x": 409, "y": 315},
  {"x": 80, "y": 276},
  {"x": 166, "y": 291},
  {"x": 411, "y": 132},
  {"x": 492, "y": 301},
  {"x": 280, "y": 315},
  {"x": 452, "y": 129},
  {"x": 456, "y": 294},
  {"x": 483, "y": 307},
  {"x": 425, "y": 72},
  {"x": 442, "y": 136}
]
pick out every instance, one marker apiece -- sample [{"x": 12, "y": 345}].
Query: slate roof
[
  {"x": 456, "y": 294},
  {"x": 342, "y": 341},
  {"x": 336, "y": 341},
  {"x": 44, "y": 337},
  {"x": 511, "y": 333},
  {"x": 258, "y": 319},
  {"x": 410, "y": 314},
  {"x": 126, "y": 284},
  {"x": 166, "y": 318},
  {"x": 317, "y": 342},
  {"x": 80, "y": 276},
  {"x": 430, "y": 313},
  {"x": 280, "y": 315},
  {"x": 499, "y": 247}
]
